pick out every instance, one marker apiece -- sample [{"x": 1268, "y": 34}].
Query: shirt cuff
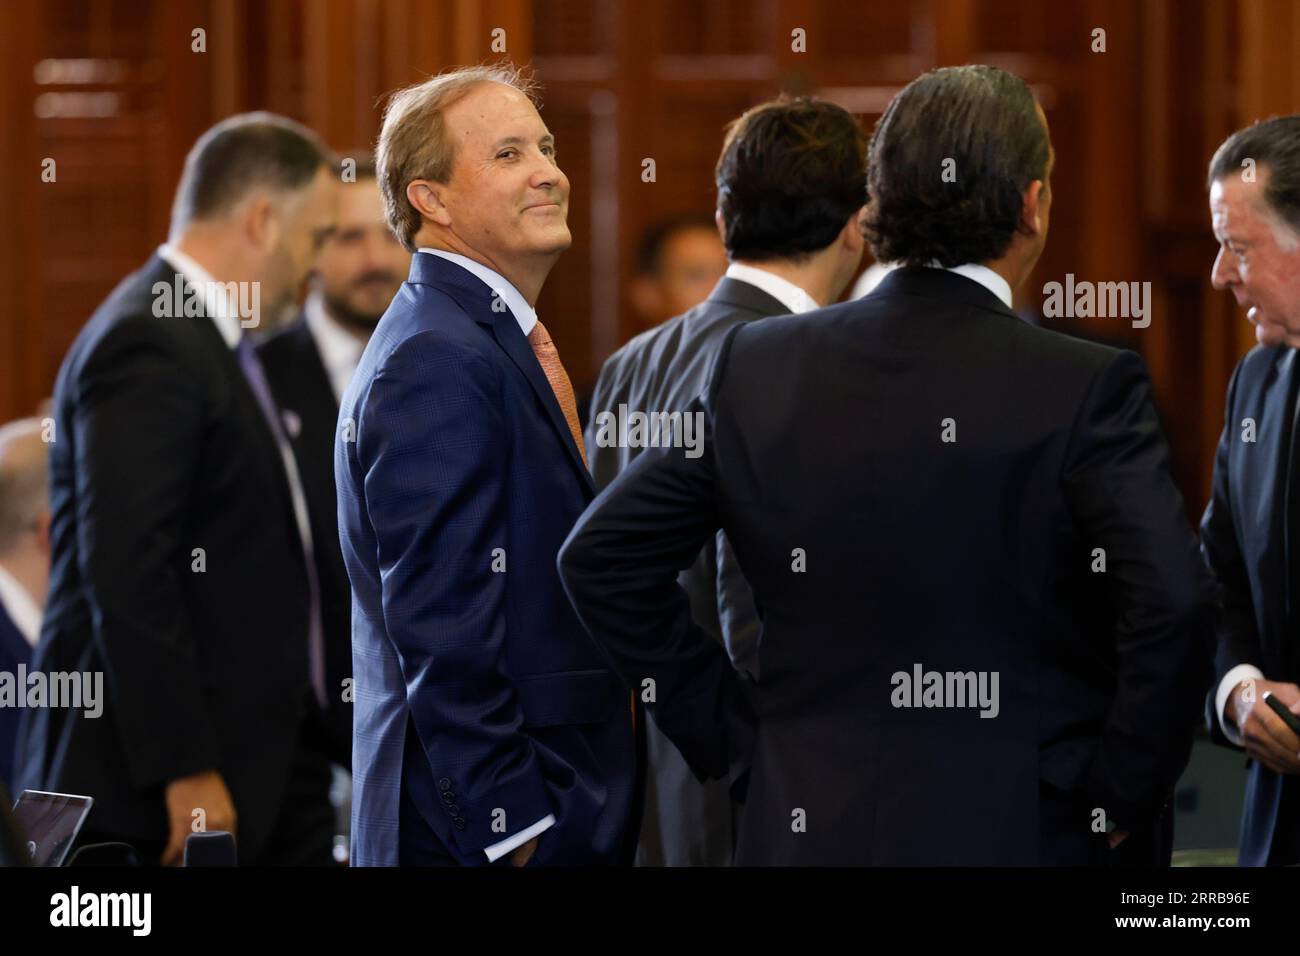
[
  {"x": 497, "y": 850},
  {"x": 1230, "y": 680}
]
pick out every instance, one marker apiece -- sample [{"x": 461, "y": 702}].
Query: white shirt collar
[
  {"x": 340, "y": 350},
  {"x": 987, "y": 278},
  {"x": 783, "y": 290},
  {"x": 524, "y": 313},
  {"x": 214, "y": 297},
  {"x": 20, "y": 606}
]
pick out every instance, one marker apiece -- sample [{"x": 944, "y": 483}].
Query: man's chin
[{"x": 1270, "y": 334}]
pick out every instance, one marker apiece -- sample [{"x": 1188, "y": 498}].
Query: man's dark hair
[
  {"x": 650, "y": 250},
  {"x": 791, "y": 174},
  {"x": 949, "y": 163},
  {"x": 1273, "y": 144},
  {"x": 239, "y": 154}
]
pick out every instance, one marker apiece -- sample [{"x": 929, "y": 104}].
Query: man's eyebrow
[{"x": 546, "y": 140}]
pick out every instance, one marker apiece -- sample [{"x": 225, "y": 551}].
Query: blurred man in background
[
  {"x": 24, "y": 560},
  {"x": 309, "y": 364},
  {"x": 678, "y": 262},
  {"x": 1251, "y": 530},
  {"x": 791, "y": 184},
  {"x": 182, "y": 566}
]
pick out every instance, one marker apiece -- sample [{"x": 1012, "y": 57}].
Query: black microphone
[{"x": 213, "y": 848}]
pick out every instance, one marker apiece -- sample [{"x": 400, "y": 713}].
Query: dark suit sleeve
[
  {"x": 431, "y": 445},
  {"x": 737, "y": 612},
  {"x": 137, "y": 420},
  {"x": 620, "y": 566},
  {"x": 1119, "y": 490},
  {"x": 1237, "y": 630}
]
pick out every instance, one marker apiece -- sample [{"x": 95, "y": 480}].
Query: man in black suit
[
  {"x": 791, "y": 185},
  {"x": 24, "y": 562},
  {"x": 1251, "y": 529},
  {"x": 309, "y": 363},
  {"x": 985, "y": 625},
  {"x": 180, "y": 540}
]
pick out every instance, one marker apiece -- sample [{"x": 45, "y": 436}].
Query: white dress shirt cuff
[
  {"x": 497, "y": 850},
  {"x": 1230, "y": 680}
]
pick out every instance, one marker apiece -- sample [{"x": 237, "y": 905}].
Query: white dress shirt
[
  {"x": 524, "y": 313},
  {"x": 215, "y": 305},
  {"x": 526, "y": 316},
  {"x": 340, "y": 350},
  {"x": 1230, "y": 680},
  {"x": 783, "y": 290},
  {"x": 987, "y": 278},
  {"x": 20, "y": 606}
]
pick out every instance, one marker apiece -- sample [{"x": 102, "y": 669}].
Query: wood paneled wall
[{"x": 626, "y": 81}]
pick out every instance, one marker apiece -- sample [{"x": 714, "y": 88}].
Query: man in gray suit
[{"x": 791, "y": 189}]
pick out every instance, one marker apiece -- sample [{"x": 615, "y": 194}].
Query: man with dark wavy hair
[
  {"x": 791, "y": 181},
  {"x": 985, "y": 625}
]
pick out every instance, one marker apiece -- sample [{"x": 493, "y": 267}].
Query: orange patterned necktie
[{"x": 549, "y": 359}]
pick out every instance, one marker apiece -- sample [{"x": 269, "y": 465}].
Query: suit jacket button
[
  {"x": 454, "y": 810},
  {"x": 444, "y": 784},
  {"x": 459, "y": 823},
  {"x": 448, "y": 796}
]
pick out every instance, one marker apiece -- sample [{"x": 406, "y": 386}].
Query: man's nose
[{"x": 1223, "y": 273}]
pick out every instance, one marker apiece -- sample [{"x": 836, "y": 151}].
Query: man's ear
[
  {"x": 427, "y": 198},
  {"x": 1029, "y": 222},
  {"x": 262, "y": 222},
  {"x": 851, "y": 234}
]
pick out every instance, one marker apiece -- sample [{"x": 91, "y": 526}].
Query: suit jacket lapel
[
  {"x": 476, "y": 298},
  {"x": 1262, "y": 471}
]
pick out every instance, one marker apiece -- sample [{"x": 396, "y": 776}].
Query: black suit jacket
[
  {"x": 14, "y": 650},
  {"x": 1243, "y": 535},
  {"x": 875, "y": 546},
  {"x": 302, "y": 388},
  {"x": 161, "y": 449},
  {"x": 686, "y": 821}
]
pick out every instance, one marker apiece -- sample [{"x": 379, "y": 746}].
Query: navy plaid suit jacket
[{"x": 481, "y": 704}]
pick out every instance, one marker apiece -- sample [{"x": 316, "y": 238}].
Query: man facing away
[
  {"x": 791, "y": 183},
  {"x": 488, "y": 727},
  {"x": 985, "y": 625},
  {"x": 1251, "y": 530},
  {"x": 182, "y": 565}
]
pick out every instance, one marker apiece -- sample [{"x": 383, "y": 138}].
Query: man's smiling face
[
  {"x": 507, "y": 197},
  {"x": 1259, "y": 257}
]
